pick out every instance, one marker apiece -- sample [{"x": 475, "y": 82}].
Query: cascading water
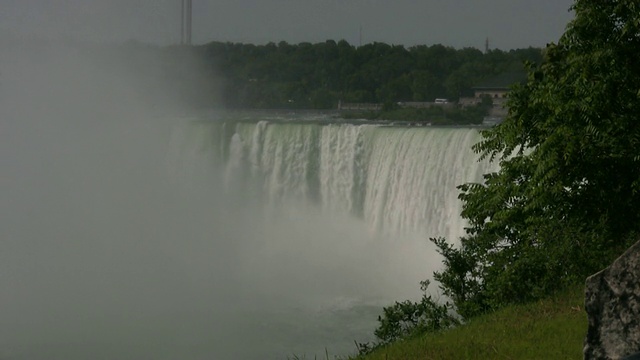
[{"x": 397, "y": 180}]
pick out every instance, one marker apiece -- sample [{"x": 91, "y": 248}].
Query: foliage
[
  {"x": 319, "y": 75},
  {"x": 564, "y": 202},
  {"x": 309, "y": 76},
  {"x": 408, "y": 318}
]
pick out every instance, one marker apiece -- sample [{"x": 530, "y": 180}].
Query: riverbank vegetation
[
  {"x": 318, "y": 76},
  {"x": 432, "y": 115}
]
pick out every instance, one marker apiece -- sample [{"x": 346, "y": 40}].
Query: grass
[{"x": 548, "y": 329}]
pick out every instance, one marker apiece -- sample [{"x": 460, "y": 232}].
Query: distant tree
[
  {"x": 425, "y": 86},
  {"x": 270, "y": 75},
  {"x": 398, "y": 89}
]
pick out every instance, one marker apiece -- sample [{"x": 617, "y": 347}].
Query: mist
[{"x": 109, "y": 250}]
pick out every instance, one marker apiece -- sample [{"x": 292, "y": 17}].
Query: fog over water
[{"x": 121, "y": 238}]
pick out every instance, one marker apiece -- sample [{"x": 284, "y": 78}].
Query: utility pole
[
  {"x": 189, "y": 21},
  {"x": 182, "y": 10},
  {"x": 486, "y": 46},
  {"x": 186, "y": 22}
]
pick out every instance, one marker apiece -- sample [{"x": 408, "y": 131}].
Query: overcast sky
[{"x": 459, "y": 23}]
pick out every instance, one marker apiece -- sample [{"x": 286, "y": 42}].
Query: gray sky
[{"x": 459, "y": 23}]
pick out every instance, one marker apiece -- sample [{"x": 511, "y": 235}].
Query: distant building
[
  {"x": 492, "y": 92},
  {"x": 497, "y": 88}
]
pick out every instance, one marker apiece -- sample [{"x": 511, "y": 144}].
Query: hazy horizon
[{"x": 507, "y": 24}]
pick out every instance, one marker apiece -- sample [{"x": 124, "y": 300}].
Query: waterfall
[{"x": 397, "y": 180}]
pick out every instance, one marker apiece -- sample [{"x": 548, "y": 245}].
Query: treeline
[
  {"x": 317, "y": 76},
  {"x": 305, "y": 75}
]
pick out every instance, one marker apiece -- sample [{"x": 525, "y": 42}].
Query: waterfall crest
[{"x": 396, "y": 179}]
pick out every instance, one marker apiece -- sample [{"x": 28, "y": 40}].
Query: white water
[
  {"x": 129, "y": 236},
  {"x": 396, "y": 180}
]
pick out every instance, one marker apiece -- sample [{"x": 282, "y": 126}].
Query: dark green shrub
[{"x": 407, "y": 318}]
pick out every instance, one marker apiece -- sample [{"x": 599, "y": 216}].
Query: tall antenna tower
[
  {"x": 186, "y": 22},
  {"x": 486, "y": 46}
]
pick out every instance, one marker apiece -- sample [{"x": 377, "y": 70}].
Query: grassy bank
[{"x": 549, "y": 329}]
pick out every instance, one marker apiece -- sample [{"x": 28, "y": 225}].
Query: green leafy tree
[
  {"x": 272, "y": 74},
  {"x": 565, "y": 200},
  {"x": 425, "y": 86}
]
